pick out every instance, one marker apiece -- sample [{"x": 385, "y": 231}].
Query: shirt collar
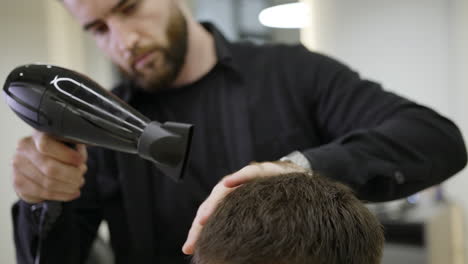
[
  {"x": 127, "y": 89},
  {"x": 222, "y": 45}
]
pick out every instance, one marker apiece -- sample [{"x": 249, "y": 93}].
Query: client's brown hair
[{"x": 294, "y": 218}]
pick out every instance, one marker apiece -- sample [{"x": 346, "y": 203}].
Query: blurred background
[{"x": 417, "y": 48}]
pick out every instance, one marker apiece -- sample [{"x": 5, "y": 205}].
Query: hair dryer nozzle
[{"x": 167, "y": 145}]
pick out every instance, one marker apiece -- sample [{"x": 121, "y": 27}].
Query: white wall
[
  {"x": 416, "y": 48},
  {"x": 223, "y": 17},
  {"x": 457, "y": 187},
  {"x": 23, "y": 40},
  {"x": 35, "y": 31},
  {"x": 399, "y": 43}
]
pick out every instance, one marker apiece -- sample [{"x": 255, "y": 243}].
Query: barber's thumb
[{"x": 189, "y": 246}]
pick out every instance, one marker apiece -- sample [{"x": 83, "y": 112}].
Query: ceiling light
[{"x": 293, "y": 15}]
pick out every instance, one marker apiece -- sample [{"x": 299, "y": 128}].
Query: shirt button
[{"x": 399, "y": 177}]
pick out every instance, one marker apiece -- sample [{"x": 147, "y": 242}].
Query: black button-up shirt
[{"x": 258, "y": 103}]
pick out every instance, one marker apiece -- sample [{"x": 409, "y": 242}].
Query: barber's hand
[
  {"x": 227, "y": 185},
  {"x": 46, "y": 169}
]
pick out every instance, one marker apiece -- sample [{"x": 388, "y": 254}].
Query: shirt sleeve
[
  {"x": 70, "y": 237},
  {"x": 384, "y": 146}
]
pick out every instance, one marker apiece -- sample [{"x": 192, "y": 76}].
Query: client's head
[{"x": 291, "y": 219}]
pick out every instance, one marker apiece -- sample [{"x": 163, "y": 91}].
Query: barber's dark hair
[{"x": 291, "y": 219}]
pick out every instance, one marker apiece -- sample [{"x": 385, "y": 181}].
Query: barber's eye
[
  {"x": 99, "y": 29},
  {"x": 130, "y": 8}
]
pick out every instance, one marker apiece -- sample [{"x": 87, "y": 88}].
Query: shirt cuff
[{"x": 297, "y": 158}]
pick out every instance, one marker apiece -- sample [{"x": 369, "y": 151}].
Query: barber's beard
[{"x": 163, "y": 71}]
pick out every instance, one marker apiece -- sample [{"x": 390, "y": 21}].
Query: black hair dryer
[{"x": 75, "y": 109}]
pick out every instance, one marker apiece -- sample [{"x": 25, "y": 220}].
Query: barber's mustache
[{"x": 139, "y": 52}]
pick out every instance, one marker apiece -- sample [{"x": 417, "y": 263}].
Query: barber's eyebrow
[{"x": 91, "y": 24}]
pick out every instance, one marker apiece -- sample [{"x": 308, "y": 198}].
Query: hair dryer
[{"x": 75, "y": 109}]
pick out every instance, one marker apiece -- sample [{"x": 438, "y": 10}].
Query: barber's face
[{"x": 147, "y": 39}]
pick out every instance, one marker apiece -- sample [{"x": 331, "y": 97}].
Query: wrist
[{"x": 297, "y": 158}]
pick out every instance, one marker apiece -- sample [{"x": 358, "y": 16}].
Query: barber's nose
[{"x": 124, "y": 37}]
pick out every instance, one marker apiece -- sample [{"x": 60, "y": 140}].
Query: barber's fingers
[
  {"x": 205, "y": 210},
  {"x": 31, "y": 192},
  {"x": 52, "y": 182},
  {"x": 194, "y": 233},
  {"x": 53, "y": 148},
  {"x": 264, "y": 169},
  {"x": 189, "y": 246},
  {"x": 81, "y": 148},
  {"x": 51, "y": 168},
  {"x": 209, "y": 205}
]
